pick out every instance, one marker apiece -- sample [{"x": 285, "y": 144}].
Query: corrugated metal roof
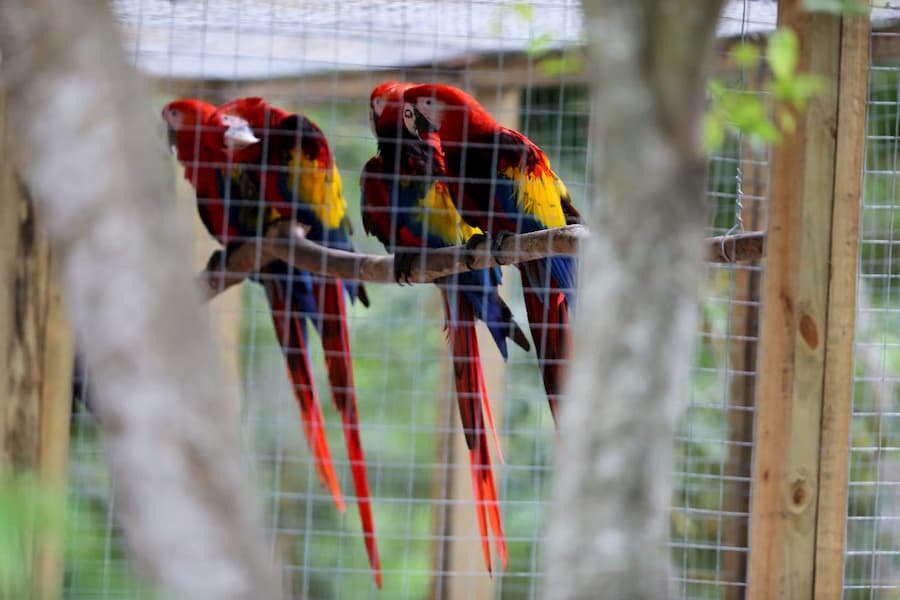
[{"x": 261, "y": 39}]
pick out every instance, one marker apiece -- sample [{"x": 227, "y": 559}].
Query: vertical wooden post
[
  {"x": 838, "y": 395},
  {"x": 807, "y": 322},
  {"x": 461, "y": 546},
  {"x": 36, "y": 350}
]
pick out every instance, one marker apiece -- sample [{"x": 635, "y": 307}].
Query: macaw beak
[
  {"x": 239, "y": 136},
  {"x": 173, "y": 138},
  {"x": 422, "y": 123},
  {"x": 372, "y": 120}
]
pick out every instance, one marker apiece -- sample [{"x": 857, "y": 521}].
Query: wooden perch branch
[{"x": 287, "y": 242}]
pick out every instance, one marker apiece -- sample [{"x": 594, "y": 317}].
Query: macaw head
[
  {"x": 187, "y": 120},
  {"x": 385, "y": 104},
  {"x": 238, "y": 134},
  {"x": 243, "y": 119},
  {"x": 445, "y": 109}
]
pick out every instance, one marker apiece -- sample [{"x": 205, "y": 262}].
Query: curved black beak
[
  {"x": 173, "y": 138},
  {"x": 423, "y": 125}
]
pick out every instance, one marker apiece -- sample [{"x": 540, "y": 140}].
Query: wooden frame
[
  {"x": 37, "y": 353},
  {"x": 801, "y": 444}
]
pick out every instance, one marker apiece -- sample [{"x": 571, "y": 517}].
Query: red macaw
[
  {"x": 502, "y": 182},
  {"x": 300, "y": 180},
  {"x": 228, "y": 203},
  {"x": 406, "y": 204}
]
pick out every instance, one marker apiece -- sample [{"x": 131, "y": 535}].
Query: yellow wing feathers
[
  {"x": 539, "y": 194},
  {"x": 318, "y": 187}
]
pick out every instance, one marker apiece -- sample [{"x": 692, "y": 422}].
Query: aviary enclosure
[{"x": 790, "y": 434}]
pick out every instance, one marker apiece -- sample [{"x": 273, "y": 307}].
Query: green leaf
[
  {"x": 797, "y": 90},
  {"x": 786, "y": 121},
  {"x": 745, "y": 54},
  {"x": 539, "y": 45},
  {"x": 716, "y": 88},
  {"x": 809, "y": 85},
  {"x": 566, "y": 63},
  {"x": 524, "y": 11},
  {"x": 713, "y": 132},
  {"x": 782, "y": 53}
]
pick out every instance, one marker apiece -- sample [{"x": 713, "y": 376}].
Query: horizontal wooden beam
[{"x": 486, "y": 71}]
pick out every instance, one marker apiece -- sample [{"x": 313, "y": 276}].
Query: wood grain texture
[
  {"x": 795, "y": 324},
  {"x": 838, "y": 394},
  {"x": 37, "y": 350}
]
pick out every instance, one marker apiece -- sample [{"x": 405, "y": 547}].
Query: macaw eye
[
  {"x": 429, "y": 102},
  {"x": 173, "y": 112},
  {"x": 407, "y": 112}
]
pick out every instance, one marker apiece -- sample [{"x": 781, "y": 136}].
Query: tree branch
[
  {"x": 182, "y": 493},
  {"x": 287, "y": 242},
  {"x": 609, "y": 521}
]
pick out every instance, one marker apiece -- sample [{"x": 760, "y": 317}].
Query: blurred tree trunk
[
  {"x": 94, "y": 165},
  {"x": 638, "y": 301}
]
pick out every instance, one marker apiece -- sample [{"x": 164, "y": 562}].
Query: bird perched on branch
[
  {"x": 502, "y": 183},
  {"x": 406, "y": 204},
  {"x": 243, "y": 184},
  {"x": 299, "y": 180}
]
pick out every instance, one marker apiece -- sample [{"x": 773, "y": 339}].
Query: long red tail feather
[
  {"x": 471, "y": 394},
  {"x": 552, "y": 337},
  {"x": 489, "y": 420},
  {"x": 293, "y": 343},
  {"x": 336, "y": 343},
  {"x": 488, "y": 487}
]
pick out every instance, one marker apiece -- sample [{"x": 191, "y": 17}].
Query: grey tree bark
[
  {"x": 91, "y": 157},
  {"x": 638, "y": 301}
]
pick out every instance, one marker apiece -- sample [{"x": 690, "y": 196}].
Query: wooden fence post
[
  {"x": 801, "y": 446},
  {"x": 838, "y": 394},
  {"x": 36, "y": 351}
]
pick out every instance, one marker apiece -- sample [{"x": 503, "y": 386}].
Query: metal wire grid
[
  {"x": 712, "y": 467},
  {"x": 873, "y": 539},
  {"x": 406, "y": 396}
]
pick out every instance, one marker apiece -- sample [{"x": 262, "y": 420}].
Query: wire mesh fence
[
  {"x": 519, "y": 60},
  {"x": 871, "y": 562}
]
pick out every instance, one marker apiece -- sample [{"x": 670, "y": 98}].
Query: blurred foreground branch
[
  {"x": 287, "y": 242},
  {"x": 87, "y": 149},
  {"x": 609, "y": 524}
]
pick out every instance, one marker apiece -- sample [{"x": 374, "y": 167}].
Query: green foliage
[
  {"x": 32, "y": 512},
  {"x": 548, "y": 59},
  {"x": 842, "y": 7},
  {"x": 764, "y": 118},
  {"x": 27, "y": 511}
]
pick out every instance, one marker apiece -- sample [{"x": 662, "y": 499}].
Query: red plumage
[
  {"x": 503, "y": 183},
  {"x": 395, "y": 186},
  {"x": 197, "y": 131},
  {"x": 285, "y": 138}
]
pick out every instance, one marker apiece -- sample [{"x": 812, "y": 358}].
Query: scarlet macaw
[
  {"x": 407, "y": 206},
  {"x": 300, "y": 181},
  {"x": 229, "y": 206},
  {"x": 503, "y": 183}
]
